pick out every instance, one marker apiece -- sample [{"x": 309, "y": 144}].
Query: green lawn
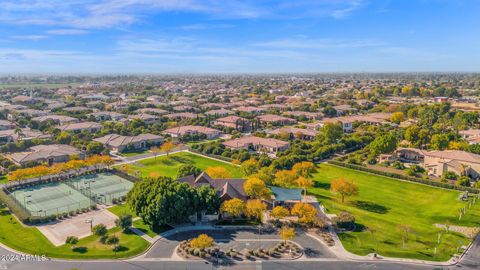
[
  {"x": 383, "y": 204},
  {"x": 168, "y": 166},
  {"x": 3, "y": 179},
  {"x": 121, "y": 209},
  {"x": 139, "y": 224},
  {"x": 134, "y": 153},
  {"x": 32, "y": 241}
]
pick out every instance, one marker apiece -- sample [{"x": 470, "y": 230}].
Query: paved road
[
  {"x": 471, "y": 260},
  {"x": 164, "y": 248},
  {"x": 201, "y": 265}
]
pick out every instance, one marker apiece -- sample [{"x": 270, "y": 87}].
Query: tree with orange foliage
[
  {"x": 167, "y": 147},
  {"x": 344, "y": 188}
]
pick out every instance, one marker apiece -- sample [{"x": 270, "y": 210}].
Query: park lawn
[
  {"x": 169, "y": 165},
  {"x": 139, "y": 224},
  {"x": 31, "y": 240},
  {"x": 383, "y": 204},
  {"x": 121, "y": 209},
  {"x": 3, "y": 179}
]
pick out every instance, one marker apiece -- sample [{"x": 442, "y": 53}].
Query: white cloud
[
  {"x": 86, "y": 14},
  {"x": 29, "y": 37},
  {"x": 67, "y": 32}
]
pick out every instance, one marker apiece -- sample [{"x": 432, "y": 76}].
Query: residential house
[
  {"x": 53, "y": 153},
  {"x": 438, "y": 162},
  {"x": 24, "y": 134},
  {"x": 219, "y": 113},
  {"x": 210, "y": 133},
  {"x": 146, "y": 118},
  {"x": 259, "y": 144},
  {"x": 293, "y": 132},
  {"x": 236, "y": 122},
  {"x": 182, "y": 115},
  {"x": 91, "y": 127},
  {"x": 5, "y": 124},
  {"x": 57, "y": 119},
  {"x": 119, "y": 143},
  {"x": 275, "y": 120},
  {"x": 107, "y": 116}
]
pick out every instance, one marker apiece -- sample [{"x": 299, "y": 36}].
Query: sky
[{"x": 238, "y": 36}]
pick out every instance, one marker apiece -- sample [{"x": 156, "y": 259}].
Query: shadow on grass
[
  {"x": 371, "y": 207},
  {"x": 322, "y": 185},
  {"x": 182, "y": 160},
  {"x": 122, "y": 249},
  {"x": 359, "y": 227},
  {"x": 80, "y": 250}
]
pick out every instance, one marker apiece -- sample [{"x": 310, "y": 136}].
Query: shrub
[
  {"x": 72, "y": 240},
  {"x": 100, "y": 229},
  {"x": 112, "y": 240},
  {"x": 344, "y": 220}
]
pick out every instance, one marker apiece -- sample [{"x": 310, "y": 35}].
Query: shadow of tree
[
  {"x": 81, "y": 250},
  {"x": 371, "y": 207},
  {"x": 321, "y": 185}
]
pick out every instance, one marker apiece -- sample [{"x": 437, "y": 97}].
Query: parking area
[
  {"x": 58, "y": 231},
  {"x": 239, "y": 238}
]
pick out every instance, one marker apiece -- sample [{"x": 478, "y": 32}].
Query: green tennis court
[
  {"x": 102, "y": 187},
  {"x": 50, "y": 199}
]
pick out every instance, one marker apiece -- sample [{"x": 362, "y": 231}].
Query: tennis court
[
  {"x": 50, "y": 199},
  {"x": 102, "y": 187}
]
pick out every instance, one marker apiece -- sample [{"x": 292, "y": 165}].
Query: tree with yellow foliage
[
  {"x": 167, "y": 147},
  {"x": 305, "y": 212},
  {"x": 286, "y": 233},
  {"x": 155, "y": 151},
  {"x": 279, "y": 212},
  {"x": 344, "y": 188},
  {"x": 256, "y": 188},
  {"x": 254, "y": 209},
  {"x": 202, "y": 241},
  {"x": 397, "y": 117},
  {"x": 234, "y": 207},
  {"x": 304, "y": 183},
  {"x": 285, "y": 178},
  {"x": 304, "y": 169},
  {"x": 218, "y": 172}
]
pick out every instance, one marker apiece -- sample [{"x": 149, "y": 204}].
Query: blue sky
[{"x": 238, "y": 36}]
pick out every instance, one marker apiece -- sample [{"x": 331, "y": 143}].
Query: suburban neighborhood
[{"x": 243, "y": 135}]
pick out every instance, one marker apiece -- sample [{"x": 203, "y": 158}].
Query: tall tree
[
  {"x": 344, "y": 188},
  {"x": 256, "y": 188},
  {"x": 162, "y": 201}
]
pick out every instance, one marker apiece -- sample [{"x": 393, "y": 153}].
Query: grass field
[
  {"x": 134, "y": 153},
  {"x": 383, "y": 204},
  {"x": 121, "y": 209},
  {"x": 168, "y": 166},
  {"x": 32, "y": 241}
]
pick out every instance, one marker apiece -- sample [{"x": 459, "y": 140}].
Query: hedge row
[{"x": 404, "y": 177}]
